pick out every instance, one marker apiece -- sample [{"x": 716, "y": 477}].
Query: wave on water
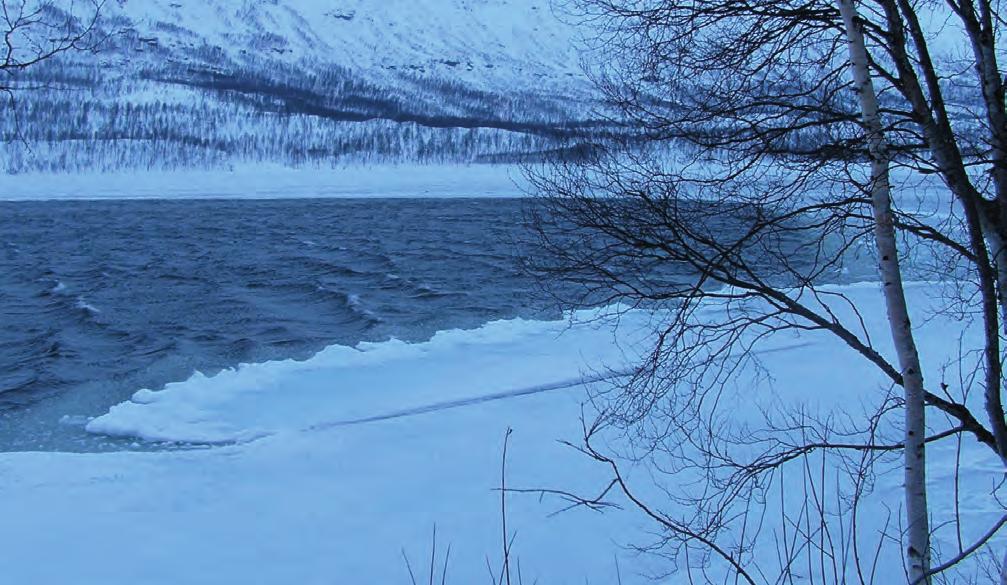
[
  {"x": 107, "y": 297},
  {"x": 357, "y": 305},
  {"x": 85, "y": 306},
  {"x": 352, "y": 302}
]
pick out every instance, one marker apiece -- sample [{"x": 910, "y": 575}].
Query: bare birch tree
[
  {"x": 915, "y": 486},
  {"x": 743, "y": 187}
]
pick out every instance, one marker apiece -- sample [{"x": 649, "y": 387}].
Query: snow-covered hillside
[
  {"x": 208, "y": 83},
  {"x": 501, "y": 46}
]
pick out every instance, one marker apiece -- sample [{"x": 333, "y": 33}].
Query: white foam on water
[{"x": 85, "y": 306}]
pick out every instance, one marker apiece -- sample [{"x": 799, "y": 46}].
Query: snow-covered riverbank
[{"x": 338, "y": 463}]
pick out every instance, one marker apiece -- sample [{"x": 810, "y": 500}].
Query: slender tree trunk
[
  {"x": 981, "y": 217},
  {"x": 918, "y": 530}
]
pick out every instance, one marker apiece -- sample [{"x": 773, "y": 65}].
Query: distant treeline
[{"x": 161, "y": 112}]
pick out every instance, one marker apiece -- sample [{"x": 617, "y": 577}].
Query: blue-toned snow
[{"x": 347, "y": 460}]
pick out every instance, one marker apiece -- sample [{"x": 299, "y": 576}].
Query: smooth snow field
[{"x": 331, "y": 469}]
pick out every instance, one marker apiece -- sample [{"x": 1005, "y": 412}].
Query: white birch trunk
[{"x": 918, "y": 530}]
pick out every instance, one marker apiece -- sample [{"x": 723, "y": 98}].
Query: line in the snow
[
  {"x": 446, "y": 405},
  {"x": 527, "y": 391}
]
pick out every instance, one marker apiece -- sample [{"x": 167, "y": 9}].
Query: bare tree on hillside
[
  {"x": 761, "y": 170},
  {"x": 35, "y": 31}
]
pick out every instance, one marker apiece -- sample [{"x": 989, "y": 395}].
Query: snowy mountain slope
[
  {"x": 211, "y": 83},
  {"x": 501, "y": 45}
]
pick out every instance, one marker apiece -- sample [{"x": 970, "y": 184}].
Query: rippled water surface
[{"x": 99, "y": 299}]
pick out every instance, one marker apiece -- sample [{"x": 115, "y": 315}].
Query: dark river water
[{"x": 100, "y": 299}]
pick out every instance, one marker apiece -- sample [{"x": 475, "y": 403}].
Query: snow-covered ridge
[{"x": 500, "y": 45}]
